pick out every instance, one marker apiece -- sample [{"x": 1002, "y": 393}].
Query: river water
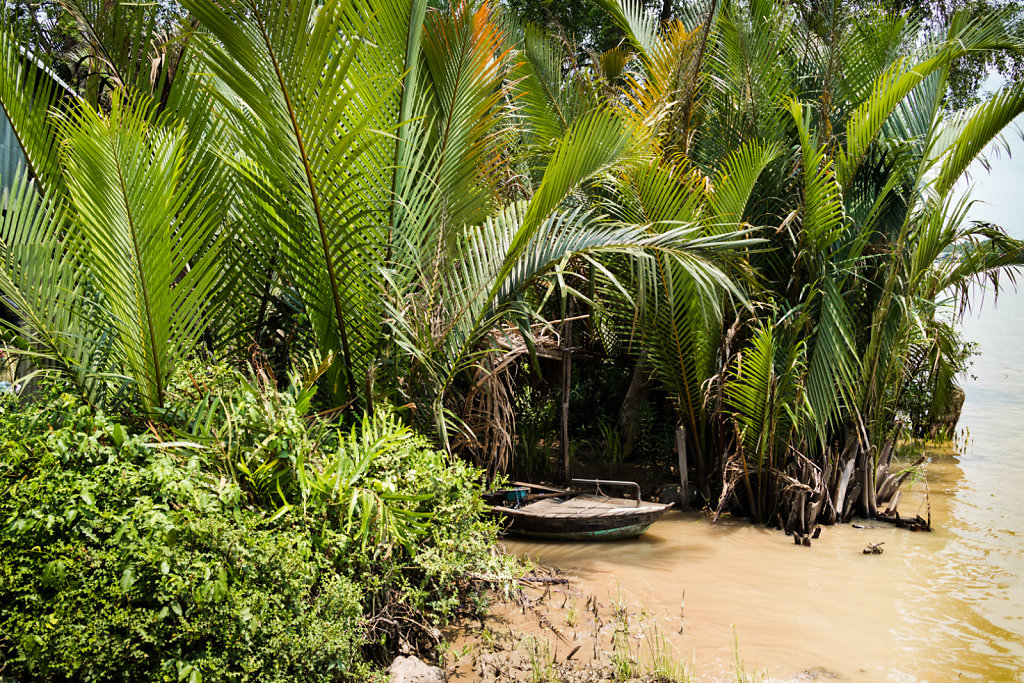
[{"x": 940, "y": 606}]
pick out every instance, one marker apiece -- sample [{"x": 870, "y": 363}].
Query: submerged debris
[
  {"x": 918, "y": 523},
  {"x": 874, "y": 548}
]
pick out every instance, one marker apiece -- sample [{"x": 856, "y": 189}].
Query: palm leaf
[
  {"x": 973, "y": 132},
  {"x": 314, "y": 93},
  {"x": 144, "y": 224},
  {"x": 45, "y": 283},
  {"x": 986, "y": 31},
  {"x": 27, "y": 91}
]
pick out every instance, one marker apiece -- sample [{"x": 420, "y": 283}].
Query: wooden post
[
  {"x": 684, "y": 474},
  {"x": 566, "y": 387}
]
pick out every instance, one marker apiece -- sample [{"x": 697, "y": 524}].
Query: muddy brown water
[{"x": 940, "y": 606}]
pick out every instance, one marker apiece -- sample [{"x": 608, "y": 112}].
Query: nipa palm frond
[
  {"x": 149, "y": 231},
  {"x": 44, "y": 281},
  {"x": 314, "y": 93}
]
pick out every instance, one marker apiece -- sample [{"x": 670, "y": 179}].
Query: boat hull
[
  {"x": 581, "y": 518},
  {"x": 630, "y": 531}
]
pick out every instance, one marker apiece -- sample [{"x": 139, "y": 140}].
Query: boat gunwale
[{"x": 584, "y": 513}]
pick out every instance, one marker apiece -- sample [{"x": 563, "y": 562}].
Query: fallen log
[{"x": 918, "y": 523}]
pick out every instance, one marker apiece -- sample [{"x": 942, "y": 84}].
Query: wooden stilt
[{"x": 684, "y": 473}]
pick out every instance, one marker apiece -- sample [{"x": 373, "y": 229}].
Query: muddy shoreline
[{"x": 553, "y": 630}]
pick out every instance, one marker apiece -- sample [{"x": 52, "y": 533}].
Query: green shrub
[
  {"x": 388, "y": 506},
  {"x": 124, "y": 560},
  {"x": 128, "y": 556}
]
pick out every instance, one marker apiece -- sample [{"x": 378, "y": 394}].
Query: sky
[
  {"x": 1000, "y": 192},
  {"x": 998, "y": 325}
]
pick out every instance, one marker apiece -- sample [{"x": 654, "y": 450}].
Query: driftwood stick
[
  {"x": 682, "y": 611},
  {"x": 544, "y": 579}
]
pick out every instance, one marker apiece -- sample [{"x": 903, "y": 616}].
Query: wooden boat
[{"x": 575, "y": 515}]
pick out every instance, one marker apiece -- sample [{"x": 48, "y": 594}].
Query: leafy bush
[{"x": 130, "y": 556}]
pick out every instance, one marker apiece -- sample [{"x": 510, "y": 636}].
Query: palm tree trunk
[{"x": 639, "y": 390}]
